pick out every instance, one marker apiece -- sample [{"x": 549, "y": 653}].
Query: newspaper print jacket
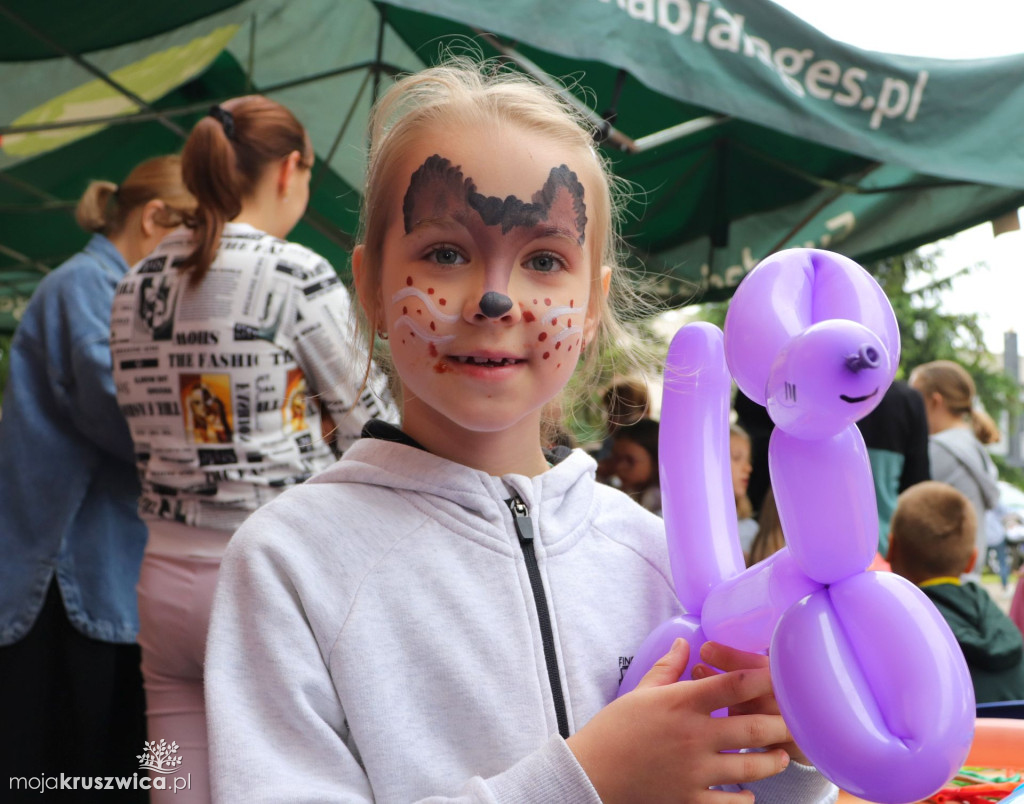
[{"x": 224, "y": 384}]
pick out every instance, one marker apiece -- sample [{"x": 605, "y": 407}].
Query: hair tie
[{"x": 225, "y": 118}]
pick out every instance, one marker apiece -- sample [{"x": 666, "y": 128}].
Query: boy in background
[{"x": 931, "y": 544}]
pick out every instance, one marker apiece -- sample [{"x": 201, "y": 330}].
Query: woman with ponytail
[
  {"x": 239, "y": 374},
  {"x": 957, "y": 435},
  {"x": 70, "y": 689}
]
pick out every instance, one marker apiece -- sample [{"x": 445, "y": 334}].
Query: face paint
[
  {"x": 495, "y": 305},
  {"x": 506, "y": 249},
  {"x": 438, "y": 189}
]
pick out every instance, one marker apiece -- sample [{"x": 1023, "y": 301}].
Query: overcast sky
[{"x": 976, "y": 29}]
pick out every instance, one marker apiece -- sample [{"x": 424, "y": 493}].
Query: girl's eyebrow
[{"x": 444, "y": 222}]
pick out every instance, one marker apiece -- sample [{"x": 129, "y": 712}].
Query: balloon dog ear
[{"x": 787, "y": 293}]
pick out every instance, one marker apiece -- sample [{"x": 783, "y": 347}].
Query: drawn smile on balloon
[{"x": 853, "y": 400}]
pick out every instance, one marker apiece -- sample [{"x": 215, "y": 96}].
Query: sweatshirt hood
[
  {"x": 550, "y": 496},
  {"x": 961, "y": 443},
  {"x": 989, "y": 639}
]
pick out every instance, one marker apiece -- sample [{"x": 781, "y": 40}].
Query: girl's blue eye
[
  {"x": 445, "y": 255},
  {"x": 545, "y": 263}
]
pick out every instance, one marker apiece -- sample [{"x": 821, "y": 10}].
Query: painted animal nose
[
  {"x": 867, "y": 357},
  {"x": 494, "y": 304}
]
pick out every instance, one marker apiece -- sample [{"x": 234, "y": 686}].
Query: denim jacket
[{"x": 68, "y": 483}]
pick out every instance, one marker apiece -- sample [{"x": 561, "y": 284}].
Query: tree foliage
[{"x": 927, "y": 332}]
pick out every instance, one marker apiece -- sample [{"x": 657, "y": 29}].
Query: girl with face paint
[{"x": 448, "y": 611}]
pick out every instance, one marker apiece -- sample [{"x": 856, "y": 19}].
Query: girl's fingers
[
  {"x": 725, "y": 690},
  {"x": 725, "y": 658},
  {"x": 747, "y": 731},
  {"x": 747, "y": 767},
  {"x": 669, "y": 667}
]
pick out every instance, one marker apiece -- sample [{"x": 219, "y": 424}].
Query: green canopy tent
[{"x": 740, "y": 129}]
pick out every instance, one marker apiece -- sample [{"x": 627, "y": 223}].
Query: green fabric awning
[{"x": 741, "y": 129}]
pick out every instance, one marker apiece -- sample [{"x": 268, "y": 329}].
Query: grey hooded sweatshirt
[
  {"x": 958, "y": 458},
  {"x": 380, "y": 634}
]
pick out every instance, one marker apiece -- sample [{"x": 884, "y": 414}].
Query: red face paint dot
[
  {"x": 408, "y": 280},
  {"x": 432, "y": 350},
  {"x": 558, "y": 345},
  {"x": 570, "y": 348},
  {"x": 432, "y": 325},
  {"x": 554, "y": 321},
  {"x": 442, "y": 302},
  {"x": 570, "y": 323},
  {"x": 534, "y": 301},
  {"x": 542, "y": 337},
  {"x": 547, "y": 302},
  {"x": 572, "y": 303},
  {"x": 529, "y": 317},
  {"x": 405, "y": 311},
  {"x": 430, "y": 291},
  {"x": 440, "y": 367},
  {"x": 559, "y": 365},
  {"x": 547, "y": 355}
]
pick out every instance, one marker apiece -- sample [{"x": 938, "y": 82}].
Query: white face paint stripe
[
  {"x": 568, "y": 332},
  {"x": 420, "y": 332},
  {"x": 558, "y": 312},
  {"x": 405, "y": 293}
]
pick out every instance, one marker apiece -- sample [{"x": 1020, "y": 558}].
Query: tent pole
[
  {"x": 85, "y": 65},
  {"x": 191, "y": 108},
  {"x": 17, "y": 255}
]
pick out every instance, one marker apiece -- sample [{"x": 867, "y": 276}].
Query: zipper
[{"x": 524, "y": 529}]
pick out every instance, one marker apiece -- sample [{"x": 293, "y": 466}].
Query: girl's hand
[
  {"x": 659, "y": 742},
  {"x": 715, "y": 655}
]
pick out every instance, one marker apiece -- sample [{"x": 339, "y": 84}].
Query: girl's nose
[{"x": 494, "y": 304}]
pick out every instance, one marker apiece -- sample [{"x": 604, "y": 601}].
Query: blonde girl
[
  {"x": 446, "y": 613},
  {"x": 957, "y": 434}
]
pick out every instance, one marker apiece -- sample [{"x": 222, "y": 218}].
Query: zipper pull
[{"x": 521, "y": 518}]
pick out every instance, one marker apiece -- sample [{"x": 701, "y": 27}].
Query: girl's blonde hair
[
  {"x": 223, "y": 160},
  {"x": 465, "y": 92},
  {"x": 105, "y": 207},
  {"x": 952, "y": 382}
]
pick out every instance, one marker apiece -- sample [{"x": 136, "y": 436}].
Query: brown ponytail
[
  {"x": 951, "y": 381},
  {"x": 223, "y": 160},
  {"x": 104, "y": 206}
]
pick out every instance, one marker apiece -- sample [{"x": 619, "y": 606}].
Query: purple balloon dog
[{"x": 868, "y": 675}]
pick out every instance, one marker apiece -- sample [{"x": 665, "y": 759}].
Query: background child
[
  {"x": 739, "y": 459},
  {"x": 957, "y": 435},
  {"x": 769, "y": 538},
  {"x": 635, "y": 463},
  {"x": 443, "y": 613},
  {"x": 931, "y": 544}
]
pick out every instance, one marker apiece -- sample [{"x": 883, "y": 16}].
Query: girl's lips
[
  {"x": 487, "y": 361},
  {"x": 492, "y": 366}
]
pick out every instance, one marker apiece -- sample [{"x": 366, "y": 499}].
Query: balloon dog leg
[{"x": 874, "y": 688}]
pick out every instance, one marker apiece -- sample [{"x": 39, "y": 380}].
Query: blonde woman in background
[
  {"x": 70, "y": 689},
  {"x": 957, "y": 435}
]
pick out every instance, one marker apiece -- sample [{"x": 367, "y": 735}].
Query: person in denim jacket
[{"x": 72, "y": 542}]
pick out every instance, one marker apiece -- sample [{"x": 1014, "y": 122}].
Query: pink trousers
[{"x": 175, "y": 596}]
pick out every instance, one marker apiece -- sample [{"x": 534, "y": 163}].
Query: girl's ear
[
  {"x": 362, "y": 283},
  {"x": 593, "y": 317},
  {"x": 150, "y": 212},
  {"x": 286, "y": 172}
]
